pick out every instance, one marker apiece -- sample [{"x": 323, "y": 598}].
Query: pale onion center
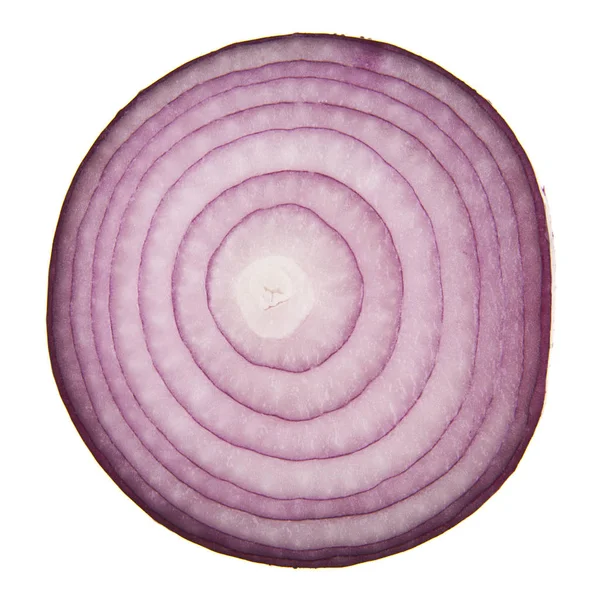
[{"x": 274, "y": 295}]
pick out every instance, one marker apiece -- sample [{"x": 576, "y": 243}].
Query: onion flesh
[{"x": 299, "y": 300}]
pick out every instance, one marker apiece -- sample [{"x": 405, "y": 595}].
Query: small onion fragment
[{"x": 299, "y": 300}]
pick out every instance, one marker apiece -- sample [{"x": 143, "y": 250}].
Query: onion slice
[{"x": 299, "y": 300}]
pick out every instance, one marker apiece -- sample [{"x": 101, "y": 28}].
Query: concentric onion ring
[{"x": 299, "y": 302}]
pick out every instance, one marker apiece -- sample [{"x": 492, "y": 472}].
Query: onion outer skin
[{"x": 369, "y": 56}]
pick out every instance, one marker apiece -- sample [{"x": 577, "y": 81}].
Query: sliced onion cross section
[{"x": 299, "y": 300}]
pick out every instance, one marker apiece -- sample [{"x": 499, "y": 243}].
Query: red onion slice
[{"x": 299, "y": 303}]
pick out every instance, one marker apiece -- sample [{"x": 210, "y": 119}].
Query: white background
[{"x": 67, "y": 67}]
